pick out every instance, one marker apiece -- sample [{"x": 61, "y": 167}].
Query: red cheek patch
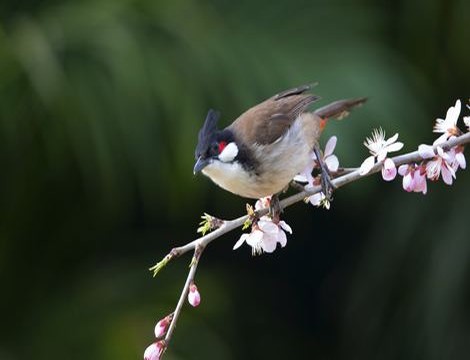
[{"x": 222, "y": 146}]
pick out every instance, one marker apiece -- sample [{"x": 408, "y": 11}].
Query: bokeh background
[{"x": 100, "y": 104}]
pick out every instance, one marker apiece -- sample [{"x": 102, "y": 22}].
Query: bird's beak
[{"x": 201, "y": 163}]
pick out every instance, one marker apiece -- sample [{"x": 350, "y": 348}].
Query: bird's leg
[
  {"x": 275, "y": 209},
  {"x": 325, "y": 176}
]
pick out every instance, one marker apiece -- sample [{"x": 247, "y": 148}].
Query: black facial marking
[{"x": 210, "y": 137}]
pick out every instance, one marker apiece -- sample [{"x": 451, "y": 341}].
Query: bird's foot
[
  {"x": 275, "y": 209},
  {"x": 325, "y": 177}
]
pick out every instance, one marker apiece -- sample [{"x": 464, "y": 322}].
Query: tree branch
[
  {"x": 179, "y": 306},
  {"x": 226, "y": 226},
  {"x": 229, "y": 225}
]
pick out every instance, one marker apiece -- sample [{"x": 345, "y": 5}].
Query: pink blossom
[
  {"x": 457, "y": 158},
  {"x": 414, "y": 178},
  {"x": 454, "y": 157},
  {"x": 441, "y": 165},
  {"x": 379, "y": 148},
  {"x": 265, "y": 235},
  {"x": 448, "y": 126},
  {"x": 194, "y": 298},
  {"x": 389, "y": 171},
  {"x": 154, "y": 351}
]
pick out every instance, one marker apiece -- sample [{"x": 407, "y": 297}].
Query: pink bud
[
  {"x": 154, "y": 351},
  {"x": 389, "y": 171},
  {"x": 162, "y": 326},
  {"x": 194, "y": 297}
]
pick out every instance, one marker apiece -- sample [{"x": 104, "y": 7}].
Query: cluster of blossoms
[
  {"x": 155, "y": 350},
  {"x": 265, "y": 232},
  {"x": 436, "y": 162},
  {"x": 379, "y": 149}
]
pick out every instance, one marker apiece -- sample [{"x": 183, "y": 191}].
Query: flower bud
[
  {"x": 162, "y": 326},
  {"x": 194, "y": 298},
  {"x": 154, "y": 351}
]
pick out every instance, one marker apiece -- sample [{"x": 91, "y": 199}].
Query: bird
[{"x": 260, "y": 153}]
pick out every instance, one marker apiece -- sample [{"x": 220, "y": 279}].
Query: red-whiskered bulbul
[{"x": 264, "y": 148}]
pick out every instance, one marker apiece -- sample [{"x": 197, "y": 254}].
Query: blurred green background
[{"x": 100, "y": 104}]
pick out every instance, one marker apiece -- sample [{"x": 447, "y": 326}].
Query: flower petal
[
  {"x": 466, "y": 120},
  {"x": 255, "y": 238},
  {"x": 285, "y": 226},
  {"x": 381, "y": 155},
  {"x": 420, "y": 182},
  {"x": 460, "y": 158},
  {"x": 453, "y": 113},
  {"x": 446, "y": 174},
  {"x": 282, "y": 238},
  {"x": 367, "y": 165},
  {"x": 441, "y": 139},
  {"x": 267, "y": 226},
  {"x": 332, "y": 162},
  {"x": 330, "y": 146},
  {"x": 433, "y": 168},
  {"x": 316, "y": 199},
  {"x": 440, "y": 152},
  {"x": 240, "y": 241},
  {"x": 408, "y": 182},
  {"x": 403, "y": 169},
  {"x": 269, "y": 242},
  {"x": 394, "y": 147},
  {"x": 392, "y": 139}
]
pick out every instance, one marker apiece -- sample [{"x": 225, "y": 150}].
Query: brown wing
[{"x": 269, "y": 120}]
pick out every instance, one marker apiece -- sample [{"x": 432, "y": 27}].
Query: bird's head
[{"x": 214, "y": 145}]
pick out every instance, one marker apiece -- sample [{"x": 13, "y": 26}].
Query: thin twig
[{"x": 179, "y": 306}]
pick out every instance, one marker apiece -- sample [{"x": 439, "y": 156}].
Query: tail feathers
[{"x": 339, "y": 109}]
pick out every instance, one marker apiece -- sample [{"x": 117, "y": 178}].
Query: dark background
[{"x": 100, "y": 104}]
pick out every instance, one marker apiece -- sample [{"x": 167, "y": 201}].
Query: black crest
[{"x": 208, "y": 133}]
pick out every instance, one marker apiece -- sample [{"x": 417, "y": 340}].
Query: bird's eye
[{"x": 214, "y": 149}]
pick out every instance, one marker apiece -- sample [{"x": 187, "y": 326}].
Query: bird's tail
[{"x": 339, "y": 109}]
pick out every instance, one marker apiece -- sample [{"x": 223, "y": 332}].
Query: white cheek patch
[{"x": 229, "y": 152}]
